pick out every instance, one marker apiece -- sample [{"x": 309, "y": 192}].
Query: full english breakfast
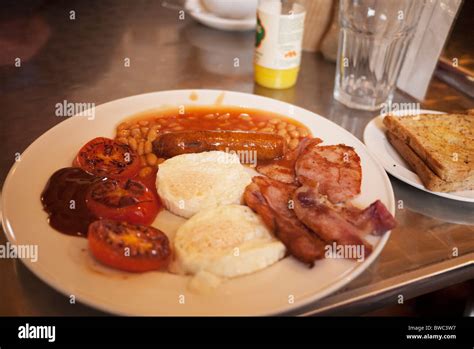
[{"x": 241, "y": 216}]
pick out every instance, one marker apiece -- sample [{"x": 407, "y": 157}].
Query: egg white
[
  {"x": 226, "y": 241},
  {"x": 189, "y": 183}
]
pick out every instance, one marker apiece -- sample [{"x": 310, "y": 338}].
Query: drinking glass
[{"x": 373, "y": 41}]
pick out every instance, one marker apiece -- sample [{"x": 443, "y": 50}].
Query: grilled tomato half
[
  {"x": 106, "y": 158},
  {"x": 122, "y": 200},
  {"x": 129, "y": 247}
]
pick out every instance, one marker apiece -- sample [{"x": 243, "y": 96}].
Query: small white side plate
[{"x": 380, "y": 147}]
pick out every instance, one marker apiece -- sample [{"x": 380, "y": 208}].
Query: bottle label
[{"x": 279, "y": 39}]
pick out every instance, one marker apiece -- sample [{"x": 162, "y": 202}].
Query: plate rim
[
  {"x": 389, "y": 169},
  {"x": 45, "y": 277}
]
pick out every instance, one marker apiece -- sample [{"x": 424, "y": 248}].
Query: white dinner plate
[
  {"x": 203, "y": 16},
  {"x": 65, "y": 263},
  {"x": 377, "y": 143}
]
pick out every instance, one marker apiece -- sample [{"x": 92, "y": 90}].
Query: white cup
[{"x": 234, "y": 9}]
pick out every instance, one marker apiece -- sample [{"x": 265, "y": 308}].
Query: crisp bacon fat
[
  {"x": 320, "y": 217},
  {"x": 270, "y": 199},
  {"x": 320, "y": 181}
]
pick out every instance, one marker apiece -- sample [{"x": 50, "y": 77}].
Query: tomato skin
[
  {"x": 122, "y": 200},
  {"x": 106, "y": 158},
  {"x": 118, "y": 244}
]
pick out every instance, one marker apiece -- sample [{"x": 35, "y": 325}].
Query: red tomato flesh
[
  {"x": 122, "y": 200},
  {"x": 106, "y": 158},
  {"x": 129, "y": 247}
]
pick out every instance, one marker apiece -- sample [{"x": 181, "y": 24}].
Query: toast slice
[
  {"x": 444, "y": 142},
  {"x": 430, "y": 180}
]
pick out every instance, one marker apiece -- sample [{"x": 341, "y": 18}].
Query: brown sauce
[{"x": 63, "y": 199}]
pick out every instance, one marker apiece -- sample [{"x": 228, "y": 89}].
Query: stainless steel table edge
[{"x": 386, "y": 292}]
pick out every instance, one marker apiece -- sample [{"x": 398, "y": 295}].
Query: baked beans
[{"x": 141, "y": 130}]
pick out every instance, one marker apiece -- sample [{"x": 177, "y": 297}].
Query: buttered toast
[
  {"x": 430, "y": 180},
  {"x": 443, "y": 142}
]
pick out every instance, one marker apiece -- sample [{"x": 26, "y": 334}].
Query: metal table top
[{"x": 82, "y": 60}]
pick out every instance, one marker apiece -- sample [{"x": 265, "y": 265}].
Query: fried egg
[
  {"x": 226, "y": 241},
  {"x": 189, "y": 183}
]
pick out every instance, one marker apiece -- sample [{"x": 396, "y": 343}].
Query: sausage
[{"x": 266, "y": 146}]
